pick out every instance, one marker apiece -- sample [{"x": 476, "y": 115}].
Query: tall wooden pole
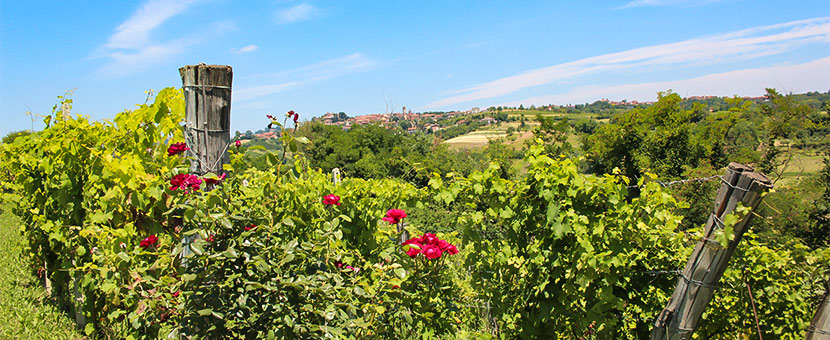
[
  {"x": 207, "y": 95},
  {"x": 207, "y": 98},
  {"x": 709, "y": 260}
]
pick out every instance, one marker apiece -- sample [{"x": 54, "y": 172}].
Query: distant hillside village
[{"x": 433, "y": 122}]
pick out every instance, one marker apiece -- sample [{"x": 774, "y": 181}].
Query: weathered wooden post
[
  {"x": 708, "y": 261},
  {"x": 820, "y": 326},
  {"x": 207, "y": 96},
  {"x": 335, "y": 176}
]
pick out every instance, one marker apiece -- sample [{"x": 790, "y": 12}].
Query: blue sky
[{"x": 372, "y": 56}]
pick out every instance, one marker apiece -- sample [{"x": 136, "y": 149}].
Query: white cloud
[
  {"x": 134, "y": 32},
  {"x": 246, "y": 49},
  {"x": 123, "y": 63},
  {"x": 739, "y": 45},
  {"x": 294, "y": 14},
  {"x": 285, "y": 80},
  {"x": 130, "y": 49},
  {"x": 796, "y": 78}
]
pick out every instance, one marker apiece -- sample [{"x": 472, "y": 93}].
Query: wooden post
[
  {"x": 207, "y": 95},
  {"x": 207, "y": 98},
  {"x": 708, "y": 261},
  {"x": 335, "y": 176},
  {"x": 820, "y": 327},
  {"x": 78, "y": 300}
]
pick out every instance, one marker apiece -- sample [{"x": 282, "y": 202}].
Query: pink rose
[
  {"x": 414, "y": 240},
  {"x": 430, "y": 246},
  {"x": 331, "y": 199},
  {"x": 176, "y": 148},
  {"x": 431, "y": 251},
  {"x": 148, "y": 242},
  {"x": 430, "y": 239},
  {"x": 186, "y": 182},
  {"x": 443, "y": 244},
  {"x": 412, "y": 252},
  {"x": 394, "y": 216},
  {"x": 452, "y": 250}
]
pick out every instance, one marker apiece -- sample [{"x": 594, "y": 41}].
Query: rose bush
[{"x": 430, "y": 246}]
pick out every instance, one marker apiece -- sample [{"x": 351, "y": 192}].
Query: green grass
[
  {"x": 25, "y": 311},
  {"x": 802, "y": 165},
  {"x": 531, "y": 114}
]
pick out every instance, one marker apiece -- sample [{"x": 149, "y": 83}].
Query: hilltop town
[{"x": 432, "y": 122}]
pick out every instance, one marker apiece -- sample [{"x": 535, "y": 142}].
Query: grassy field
[
  {"x": 481, "y": 137},
  {"x": 531, "y": 115},
  {"x": 476, "y": 138},
  {"x": 802, "y": 165},
  {"x": 25, "y": 311}
]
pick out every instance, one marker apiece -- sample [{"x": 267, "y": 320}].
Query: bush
[{"x": 143, "y": 249}]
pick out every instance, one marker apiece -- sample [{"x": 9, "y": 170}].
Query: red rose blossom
[
  {"x": 296, "y": 118},
  {"x": 452, "y": 250},
  {"x": 430, "y": 239},
  {"x": 238, "y": 143},
  {"x": 412, "y": 252},
  {"x": 414, "y": 240},
  {"x": 331, "y": 199},
  {"x": 252, "y": 226},
  {"x": 186, "y": 182},
  {"x": 443, "y": 244},
  {"x": 430, "y": 246},
  {"x": 289, "y": 114},
  {"x": 431, "y": 251},
  {"x": 148, "y": 242},
  {"x": 394, "y": 216},
  {"x": 176, "y": 148}
]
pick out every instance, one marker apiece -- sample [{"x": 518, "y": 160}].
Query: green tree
[
  {"x": 11, "y": 136},
  {"x": 553, "y": 134}
]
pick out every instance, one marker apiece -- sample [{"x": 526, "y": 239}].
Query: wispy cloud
[
  {"x": 285, "y": 80},
  {"x": 652, "y": 3},
  {"x": 297, "y": 13},
  {"x": 130, "y": 48},
  {"x": 809, "y": 76},
  {"x": 123, "y": 63},
  {"x": 134, "y": 32},
  {"x": 739, "y": 45},
  {"x": 246, "y": 49}
]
